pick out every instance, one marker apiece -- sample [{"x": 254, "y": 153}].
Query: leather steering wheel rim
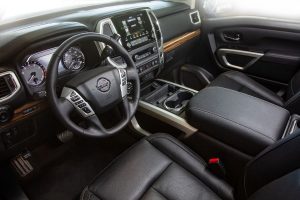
[{"x": 61, "y": 106}]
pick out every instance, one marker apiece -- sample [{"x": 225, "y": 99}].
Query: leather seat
[
  {"x": 240, "y": 82},
  {"x": 160, "y": 167}
]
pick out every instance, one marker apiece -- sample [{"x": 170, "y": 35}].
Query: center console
[
  {"x": 167, "y": 102},
  {"x": 140, "y": 35}
]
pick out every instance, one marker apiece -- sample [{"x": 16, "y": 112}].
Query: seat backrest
[
  {"x": 275, "y": 162},
  {"x": 293, "y": 95},
  {"x": 286, "y": 188}
]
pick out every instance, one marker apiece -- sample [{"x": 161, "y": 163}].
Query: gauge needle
[{"x": 31, "y": 77}]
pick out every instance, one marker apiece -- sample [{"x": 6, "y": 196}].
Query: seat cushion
[
  {"x": 240, "y": 82},
  {"x": 157, "y": 167}
]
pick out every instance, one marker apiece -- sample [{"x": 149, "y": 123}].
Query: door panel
[{"x": 265, "y": 51}]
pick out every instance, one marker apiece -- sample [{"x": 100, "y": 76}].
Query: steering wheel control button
[
  {"x": 75, "y": 98},
  {"x": 78, "y": 102},
  {"x": 82, "y": 105},
  {"x": 86, "y": 110},
  {"x": 72, "y": 94},
  {"x": 123, "y": 79}
]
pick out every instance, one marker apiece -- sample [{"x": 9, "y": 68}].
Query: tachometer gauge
[
  {"x": 73, "y": 59},
  {"x": 33, "y": 73}
]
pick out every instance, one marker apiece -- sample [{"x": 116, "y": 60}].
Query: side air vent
[
  {"x": 107, "y": 30},
  {"x": 195, "y": 17},
  {"x": 9, "y": 85}
]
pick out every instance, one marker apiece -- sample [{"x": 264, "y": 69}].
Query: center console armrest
[{"x": 244, "y": 122}]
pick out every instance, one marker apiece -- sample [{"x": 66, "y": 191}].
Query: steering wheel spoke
[
  {"x": 77, "y": 101},
  {"x": 65, "y": 106}
]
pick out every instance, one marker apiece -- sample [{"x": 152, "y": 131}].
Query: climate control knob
[{"x": 5, "y": 114}]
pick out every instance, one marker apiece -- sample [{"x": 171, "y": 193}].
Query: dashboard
[{"x": 142, "y": 28}]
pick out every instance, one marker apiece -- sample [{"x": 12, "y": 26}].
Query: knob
[
  {"x": 154, "y": 49},
  {"x": 5, "y": 114},
  {"x": 136, "y": 57}
]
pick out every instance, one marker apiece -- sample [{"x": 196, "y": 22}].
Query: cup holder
[{"x": 178, "y": 101}]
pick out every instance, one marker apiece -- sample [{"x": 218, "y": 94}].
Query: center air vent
[
  {"x": 195, "y": 17},
  {"x": 9, "y": 85}
]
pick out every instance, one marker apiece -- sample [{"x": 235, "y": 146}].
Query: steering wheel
[{"x": 95, "y": 91}]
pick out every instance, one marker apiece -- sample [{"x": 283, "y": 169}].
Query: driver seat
[{"x": 160, "y": 167}]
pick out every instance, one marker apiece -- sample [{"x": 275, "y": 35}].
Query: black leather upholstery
[
  {"x": 286, "y": 187},
  {"x": 240, "y": 82},
  {"x": 275, "y": 161},
  {"x": 158, "y": 167},
  {"x": 244, "y": 122}
]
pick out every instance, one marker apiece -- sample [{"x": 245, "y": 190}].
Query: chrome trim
[
  {"x": 160, "y": 47},
  {"x": 293, "y": 127},
  {"x": 167, "y": 117},
  {"x": 66, "y": 93},
  {"x": 222, "y": 53},
  {"x": 123, "y": 83},
  {"x": 136, "y": 126},
  {"x": 198, "y": 14},
  {"x": 101, "y": 45},
  {"x": 180, "y": 86},
  {"x": 16, "y": 82}
]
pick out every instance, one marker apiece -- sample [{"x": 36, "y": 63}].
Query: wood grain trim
[
  {"x": 178, "y": 41},
  {"x": 26, "y": 111}
]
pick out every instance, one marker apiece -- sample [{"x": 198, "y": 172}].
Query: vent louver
[
  {"x": 4, "y": 88},
  {"x": 9, "y": 85}
]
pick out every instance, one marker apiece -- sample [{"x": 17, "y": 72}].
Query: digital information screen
[{"x": 135, "y": 29}]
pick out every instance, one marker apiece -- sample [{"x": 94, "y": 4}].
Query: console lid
[{"x": 244, "y": 122}]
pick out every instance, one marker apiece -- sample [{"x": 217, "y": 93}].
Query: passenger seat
[{"x": 240, "y": 82}]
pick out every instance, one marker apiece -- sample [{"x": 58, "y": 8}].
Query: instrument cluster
[{"x": 34, "y": 69}]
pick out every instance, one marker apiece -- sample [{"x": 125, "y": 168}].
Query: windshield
[{"x": 13, "y": 10}]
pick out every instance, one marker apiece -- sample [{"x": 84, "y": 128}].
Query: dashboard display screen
[{"x": 135, "y": 29}]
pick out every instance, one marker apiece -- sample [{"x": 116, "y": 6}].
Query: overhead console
[{"x": 140, "y": 35}]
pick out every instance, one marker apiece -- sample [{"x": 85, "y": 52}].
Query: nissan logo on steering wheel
[{"x": 103, "y": 84}]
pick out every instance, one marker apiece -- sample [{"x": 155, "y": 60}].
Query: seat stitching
[
  {"x": 160, "y": 193},
  {"x": 211, "y": 113},
  {"x": 184, "y": 149},
  {"x": 163, "y": 171},
  {"x": 194, "y": 156}
]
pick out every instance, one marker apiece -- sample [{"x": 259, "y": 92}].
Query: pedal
[
  {"x": 65, "y": 136},
  {"x": 22, "y": 165}
]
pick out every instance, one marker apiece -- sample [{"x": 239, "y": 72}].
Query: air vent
[
  {"x": 107, "y": 30},
  {"x": 9, "y": 85},
  {"x": 195, "y": 17}
]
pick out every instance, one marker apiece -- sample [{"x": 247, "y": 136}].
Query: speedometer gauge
[
  {"x": 73, "y": 59},
  {"x": 33, "y": 72}
]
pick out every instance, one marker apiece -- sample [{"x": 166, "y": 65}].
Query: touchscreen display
[{"x": 135, "y": 29}]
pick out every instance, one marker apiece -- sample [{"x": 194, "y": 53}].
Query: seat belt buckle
[{"x": 216, "y": 166}]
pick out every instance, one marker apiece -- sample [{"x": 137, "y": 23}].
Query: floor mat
[{"x": 67, "y": 176}]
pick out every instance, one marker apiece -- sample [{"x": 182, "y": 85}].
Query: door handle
[{"x": 234, "y": 37}]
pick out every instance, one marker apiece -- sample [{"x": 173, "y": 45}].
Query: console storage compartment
[
  {"x": 246, "y": 123},
  {"x": 167, "y": 96}
]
